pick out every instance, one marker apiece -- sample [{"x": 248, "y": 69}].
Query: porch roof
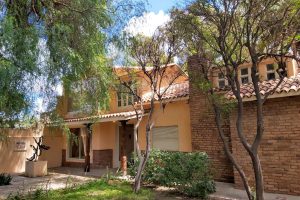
[{"x": 104, "y": 117}]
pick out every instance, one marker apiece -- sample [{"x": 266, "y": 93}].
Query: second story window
[
  {"x": 221, "y": 80},
  {"x": 271, "y": 71},
  {"x": 125, "y": 96},
  {"x": 245, "y": 75}
]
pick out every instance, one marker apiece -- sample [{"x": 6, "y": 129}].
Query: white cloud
[{"x": 147, "y": 23}]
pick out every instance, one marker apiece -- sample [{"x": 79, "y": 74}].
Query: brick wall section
[
  {"x": 280, "y": 147},
  {"x": 103, "y": 158},
  {"x": 204, "y": 132}
]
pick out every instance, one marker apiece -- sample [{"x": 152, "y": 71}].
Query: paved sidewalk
[{"x": 226, "y": 191}]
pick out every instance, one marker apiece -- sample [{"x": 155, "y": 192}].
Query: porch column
[
  {"x": 123, "y": 156},
  {"x": 122, "y": 140},
  {"x": 87, "y": 161}
]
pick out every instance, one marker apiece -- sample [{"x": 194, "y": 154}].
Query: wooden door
[{"x": 126, "y": 139}]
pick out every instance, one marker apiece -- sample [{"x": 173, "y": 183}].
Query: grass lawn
[{"x": 93, "y": 190}]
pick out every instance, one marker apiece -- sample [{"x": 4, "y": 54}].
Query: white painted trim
[{"x": 77, "y": 123}]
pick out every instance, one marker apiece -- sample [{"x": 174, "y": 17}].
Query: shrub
[
  {"x": 189, "y": 173},
  {"x": 5, "y": 179}
]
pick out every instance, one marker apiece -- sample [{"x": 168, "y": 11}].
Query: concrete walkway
[
  {"x": 57, "y": 178},
  {"x": 226, "y": 191}
]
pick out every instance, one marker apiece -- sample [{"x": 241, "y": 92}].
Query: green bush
[
  {"x": 189, "y": 173},
  {"x": 5, "y": 179}
]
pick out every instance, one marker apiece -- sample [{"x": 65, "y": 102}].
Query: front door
[{"x": 126, "y": 140}]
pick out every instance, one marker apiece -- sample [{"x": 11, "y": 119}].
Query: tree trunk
[
  {"x": 143, "y": 161},
  {"x": 229, "y": 153},
  {"x": 259, "y": 182},
  {"x": 135, "y": 131}
]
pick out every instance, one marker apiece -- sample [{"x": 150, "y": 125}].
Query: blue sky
[{"x": 165, "y": 5}]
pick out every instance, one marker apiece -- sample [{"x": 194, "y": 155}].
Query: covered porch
[{"x": 101, "y": 141}]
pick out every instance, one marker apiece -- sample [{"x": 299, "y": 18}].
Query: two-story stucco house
[
  {"x": 187, "y": 124},
  {"x": 112, "y": 130}
]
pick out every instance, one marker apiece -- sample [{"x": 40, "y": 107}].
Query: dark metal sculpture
[{"x": 38, "y": 149}]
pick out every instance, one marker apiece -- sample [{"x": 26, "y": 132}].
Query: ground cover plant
[
  {"x": 5, "y": 179},
  {"x": 100, "y": 190}
]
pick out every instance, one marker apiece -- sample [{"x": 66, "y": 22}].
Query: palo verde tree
[
  {"x": 226, "y": 34},
  {"x": 153, "y": 56},
  {"x": 46, "y": 44}
]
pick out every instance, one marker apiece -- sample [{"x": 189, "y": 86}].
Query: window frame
[
  {"x": 248, "y": 75},
  {"x": 124, "y": 99},
  {"x": 222, "y": 79},
  {"x": 273, "y": 71},
  {"x": 80, "y": 147}
]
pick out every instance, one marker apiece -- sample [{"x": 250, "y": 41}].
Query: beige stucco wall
[
  {"x": 176, "y": 113},
  {"x": 104, "y": 136},
  {"x": 53, "y": 137},
  {"x": 291, "y": 67},
  {"x": 11, "y": 159}
]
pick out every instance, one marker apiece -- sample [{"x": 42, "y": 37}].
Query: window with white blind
[{"x": 165, "y": 138}]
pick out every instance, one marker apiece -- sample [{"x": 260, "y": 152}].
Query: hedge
[{"x": 189, "y": 173}]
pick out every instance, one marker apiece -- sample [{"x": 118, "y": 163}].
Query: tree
[
  {"x": 45, "y": 44},
  {"x": 153, "y": 56},
  {"x": 227, "y": 34}
]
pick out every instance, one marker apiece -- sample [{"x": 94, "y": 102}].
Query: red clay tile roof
[
  {"x": 288, "y": 85},
  {"x": 177, "y": 90},
  {"x": 125, "y": 115}
]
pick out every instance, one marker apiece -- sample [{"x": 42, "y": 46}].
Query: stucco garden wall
[
  {"x": 53, "y": 137},
  {"x": 15, "y": 149}
]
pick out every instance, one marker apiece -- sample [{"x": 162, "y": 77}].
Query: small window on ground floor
[
  {"x": 165, "y": 138},
  {"x": 75, "y": 144}
]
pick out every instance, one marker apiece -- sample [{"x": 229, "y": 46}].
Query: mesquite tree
[
  {"x": 153, "y": 56},
  {"x": 230, "y": 33}
]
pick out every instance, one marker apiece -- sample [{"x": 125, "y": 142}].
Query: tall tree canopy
[
  {"x": 44, "y": 44},
  {"x": 226, "y": 34}
]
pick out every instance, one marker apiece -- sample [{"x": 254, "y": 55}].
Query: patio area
[{"x": 57, "y": 178}]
